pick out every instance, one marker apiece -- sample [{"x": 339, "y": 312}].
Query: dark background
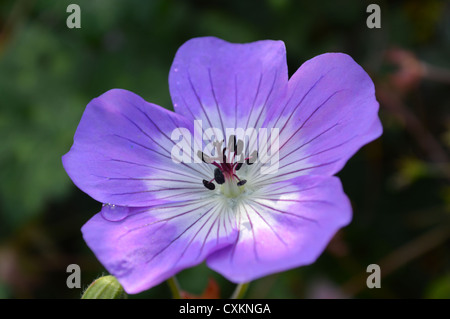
[{"x": 398, "y": 185}]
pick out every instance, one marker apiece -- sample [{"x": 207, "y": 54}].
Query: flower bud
[{"x": 106, "y": 287}]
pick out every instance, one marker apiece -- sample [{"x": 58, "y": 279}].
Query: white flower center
[{"x": 230, "y": 188}]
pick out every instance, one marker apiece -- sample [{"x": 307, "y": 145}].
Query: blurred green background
[{"x": 399, "y": 185}]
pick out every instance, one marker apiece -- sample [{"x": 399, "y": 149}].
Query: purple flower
[{"x": 161, "y": 216}]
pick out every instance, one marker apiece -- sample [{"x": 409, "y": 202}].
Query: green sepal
[{"x": 106, "y": 287}]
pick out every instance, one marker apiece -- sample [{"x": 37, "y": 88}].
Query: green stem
[
  {"x": 240, "y": 291},
  {"x": 174, "y": 287}
]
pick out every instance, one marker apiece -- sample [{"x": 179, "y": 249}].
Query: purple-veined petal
[
  {"x": 153, "y": 244},
  {"x": 228, "y": 85},
  {"x": 284, "y": 225},
  {"x": 330, "y": 112},
  {"x": 122, "y": 153}
]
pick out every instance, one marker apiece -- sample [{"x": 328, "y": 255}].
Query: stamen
[
  {"x": 218, "y": 176},
  {"x": 225, "y": 172},
  {"x": 216, "y": 165},
  {"x": 209, "y": 185},
  {"x": 241, "y": 182}
]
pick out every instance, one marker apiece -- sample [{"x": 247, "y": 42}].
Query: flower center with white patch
[
  {"x": 226, "y": 172},
  {"x": 231, "y": 189}
]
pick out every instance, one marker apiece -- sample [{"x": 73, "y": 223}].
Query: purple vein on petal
[
  {"x": 296, "y": 171},
  {"x": 225, "y": 225},
  {"x": 145, "y": 179},
  {"x": 156, "y": 190},
  {"x": 179, "y": 236},
  {"x": 215, "y": 101},
  {"x": 164, "y": 219},
  {"x": 287, "y": 213},
  {"x": 267, "y": 99},
  {"x": 306, "y": 143},
  {"x": 318, "y": 153},
  {"x": 268, "y": 224},
  {"x": 300, "y": 200},
  {"x": 309, "y": 117},
  {"x": 303, "y": 98},
  {"x": 253, "y": 233},
  {"x": 237, "y": 238},
  {"x": 235, "y": 100},
  {"x": 287, "y": 192},
  {"x": 145, "y": 133},
  {"x": 314, "y": 138},
  {"x": 209, "y": 231},
  {"x": 143, "y": 146},
  {"x": 263, "y": 107},
  {"x": 195, "y": 191},
  {"x": 218, "y": 228},
  {"x": 193, "y": 238},
  {"x": 204, "y": 167},
  {"x": 298, "y": 104},
  {"x": 254, "y": 100},
  {"x": 198, "y": 98},
  {"x": 199, "y": 101},
  {"x": 186, "y": 104},
  {"x": 156, "y": 168},
  {"x": 302, "y": 125},
  {"x": 296, "y": 107},
  {"x": 150, "y": 149},
  {"x": 159, "y": 129}
]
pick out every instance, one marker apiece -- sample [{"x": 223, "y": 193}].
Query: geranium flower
[{"x": 161, "y": 215}]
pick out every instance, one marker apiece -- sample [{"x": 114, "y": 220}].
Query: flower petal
[
  {"x": 151, "y": 245},
  {"x": 330, "y": 112},
  {"x": 228, "y": 85},
  {"x": 122, "y": 153},
  {"x": 284, "y": 225}
]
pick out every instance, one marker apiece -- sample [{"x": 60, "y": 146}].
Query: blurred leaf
[
  {"x": 439, "y": 289},
  {"x": 409, "y": 171},
  {"x": 4, "y": 291}
]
